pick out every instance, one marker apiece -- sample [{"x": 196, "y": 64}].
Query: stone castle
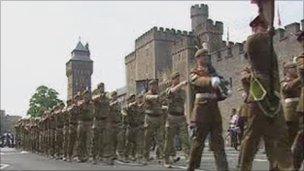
[{"x": 160, "y": 51}]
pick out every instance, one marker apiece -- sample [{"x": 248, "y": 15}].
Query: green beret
[
  {"x": 153, "y": 81},
  {"x": 100, "y": 85},
  {"x": 85, "y": 92},
  {"x": 132, "y": 96},
  {"x": 114, "y": 93},
  {"x": 290, "y": 65},
  {"x": 175, "y": 75},
  {"x": 201, "y": 52}
]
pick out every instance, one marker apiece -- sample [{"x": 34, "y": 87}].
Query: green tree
[{"x": 43, "y": 99}]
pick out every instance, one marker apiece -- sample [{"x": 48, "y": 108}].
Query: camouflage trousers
[
  {"x": 154, "y": 130},
  {"x": 269, "y": 146},
  {"x": 118, "y": 134},
  {"x": 217, "y": 144},
  {"x": 72, "y": 140},
  {"x": 292, "y": 120},
  {"x": 176, "y": 125},
  {"x": 298, "y": 150},
  {"x": 135, "y": 142},
  {"x": 52, "y": 142},
  {"x": 273, "y": 130},
  {"x": 44, "y": 143},
  {"x": 59, "y": 142},
  {"x": 83, "y": 134},
  {"x": 99, "y": 140},
  {"x": 65, "y": 141}
]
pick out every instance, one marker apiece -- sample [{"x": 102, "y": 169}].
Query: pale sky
[{"x": 37, "y": 38}]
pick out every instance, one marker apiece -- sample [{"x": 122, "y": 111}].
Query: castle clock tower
[{"x": 79, "y": 70}]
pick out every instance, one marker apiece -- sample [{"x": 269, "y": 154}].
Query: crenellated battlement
[
  {"x": 199, "y": 10},
  {"x": 231, "y": 50},
  {"x": 211, "y": 26},
  {"x": 130, "y": 57},
  {"x": 160, "y": 33},
  {"x": 236, "y": 49}
]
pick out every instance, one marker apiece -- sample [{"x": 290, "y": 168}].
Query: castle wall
[
  {"x": 152, "y": 56},
  {"x": 131, "y": 72},
  {"x": 160, "y": 51}
]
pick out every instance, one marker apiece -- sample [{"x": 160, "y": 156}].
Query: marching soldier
[
  {"x": 135, "y": 127},
  {"x": 73, "y": 114},
  {"x": 52, "y": 133},
  {"x": 298, "y": 146},
  {"x": 100, "y": 142},
  {"x": 47, "y": 132},
  {"x": 265, "y": 119},
  {"x": 59, "y": 119},
  {"x": 117, "y": 130},
  {"x": 291, "y": 88},
  {"x": 44, "y": 133},
  {"x": 18, "y": 133},
  {"x": 154, "y": 120},
  {"x": 206, "y": 117},
  {"x": 176, "y": 119},
  {"x": 244, "y": 112},
  {"x": 65, "y": 116},
  {"x": 84, "y": 125}
]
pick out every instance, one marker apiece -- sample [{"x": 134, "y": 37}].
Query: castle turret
[
  {"x": 205, "y": 28},
  {"x": 199, "y": 15},
  {"x": 79, "y": 70}
]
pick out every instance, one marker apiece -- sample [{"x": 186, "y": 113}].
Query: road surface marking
[
  {"x": 3, "y": 166},
  {"x": 261, "y": 160},
  {"x": 183, "y": 167},
  {"x": 131, "y": 164}
]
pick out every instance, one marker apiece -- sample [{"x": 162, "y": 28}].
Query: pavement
[{"x": 13, "y": 159}]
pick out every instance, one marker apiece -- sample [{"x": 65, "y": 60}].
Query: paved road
[{"x": 12, "y": 159}]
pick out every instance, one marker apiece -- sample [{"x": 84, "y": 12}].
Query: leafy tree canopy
[{"x": 44, "y": 99}]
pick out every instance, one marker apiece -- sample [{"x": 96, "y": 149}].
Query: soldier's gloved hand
[{"x": 215, "y": 82}]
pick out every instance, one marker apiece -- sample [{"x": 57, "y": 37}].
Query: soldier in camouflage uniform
[
  {"x": 265, "y": 119},
  {"x": 135, "y": 118},
  {"x": 291, "y": 88},
  {"x": 17, "y": 128},
  {"x": 100, "y": 143},
  {"x": 59, "y": 117},
  {"x": 65, "y": 114},
  {"x": 52, "y": 133},
  {"x": 245, "y": 114},
  {"x": 154, "y": 120},
  {"x": 298, "y": 146},
  {"x": 32, "y": 134},
  {"x": 40, "y": 127},
  {"x": 84, "y": 126},
  {"x": 206, "y": 117},
  {"x": 44, "y": 133},
  {"x": 117, "y": 129},
  {"x": 176, "y": 120},
  {"x": 73, "y": 114}
]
